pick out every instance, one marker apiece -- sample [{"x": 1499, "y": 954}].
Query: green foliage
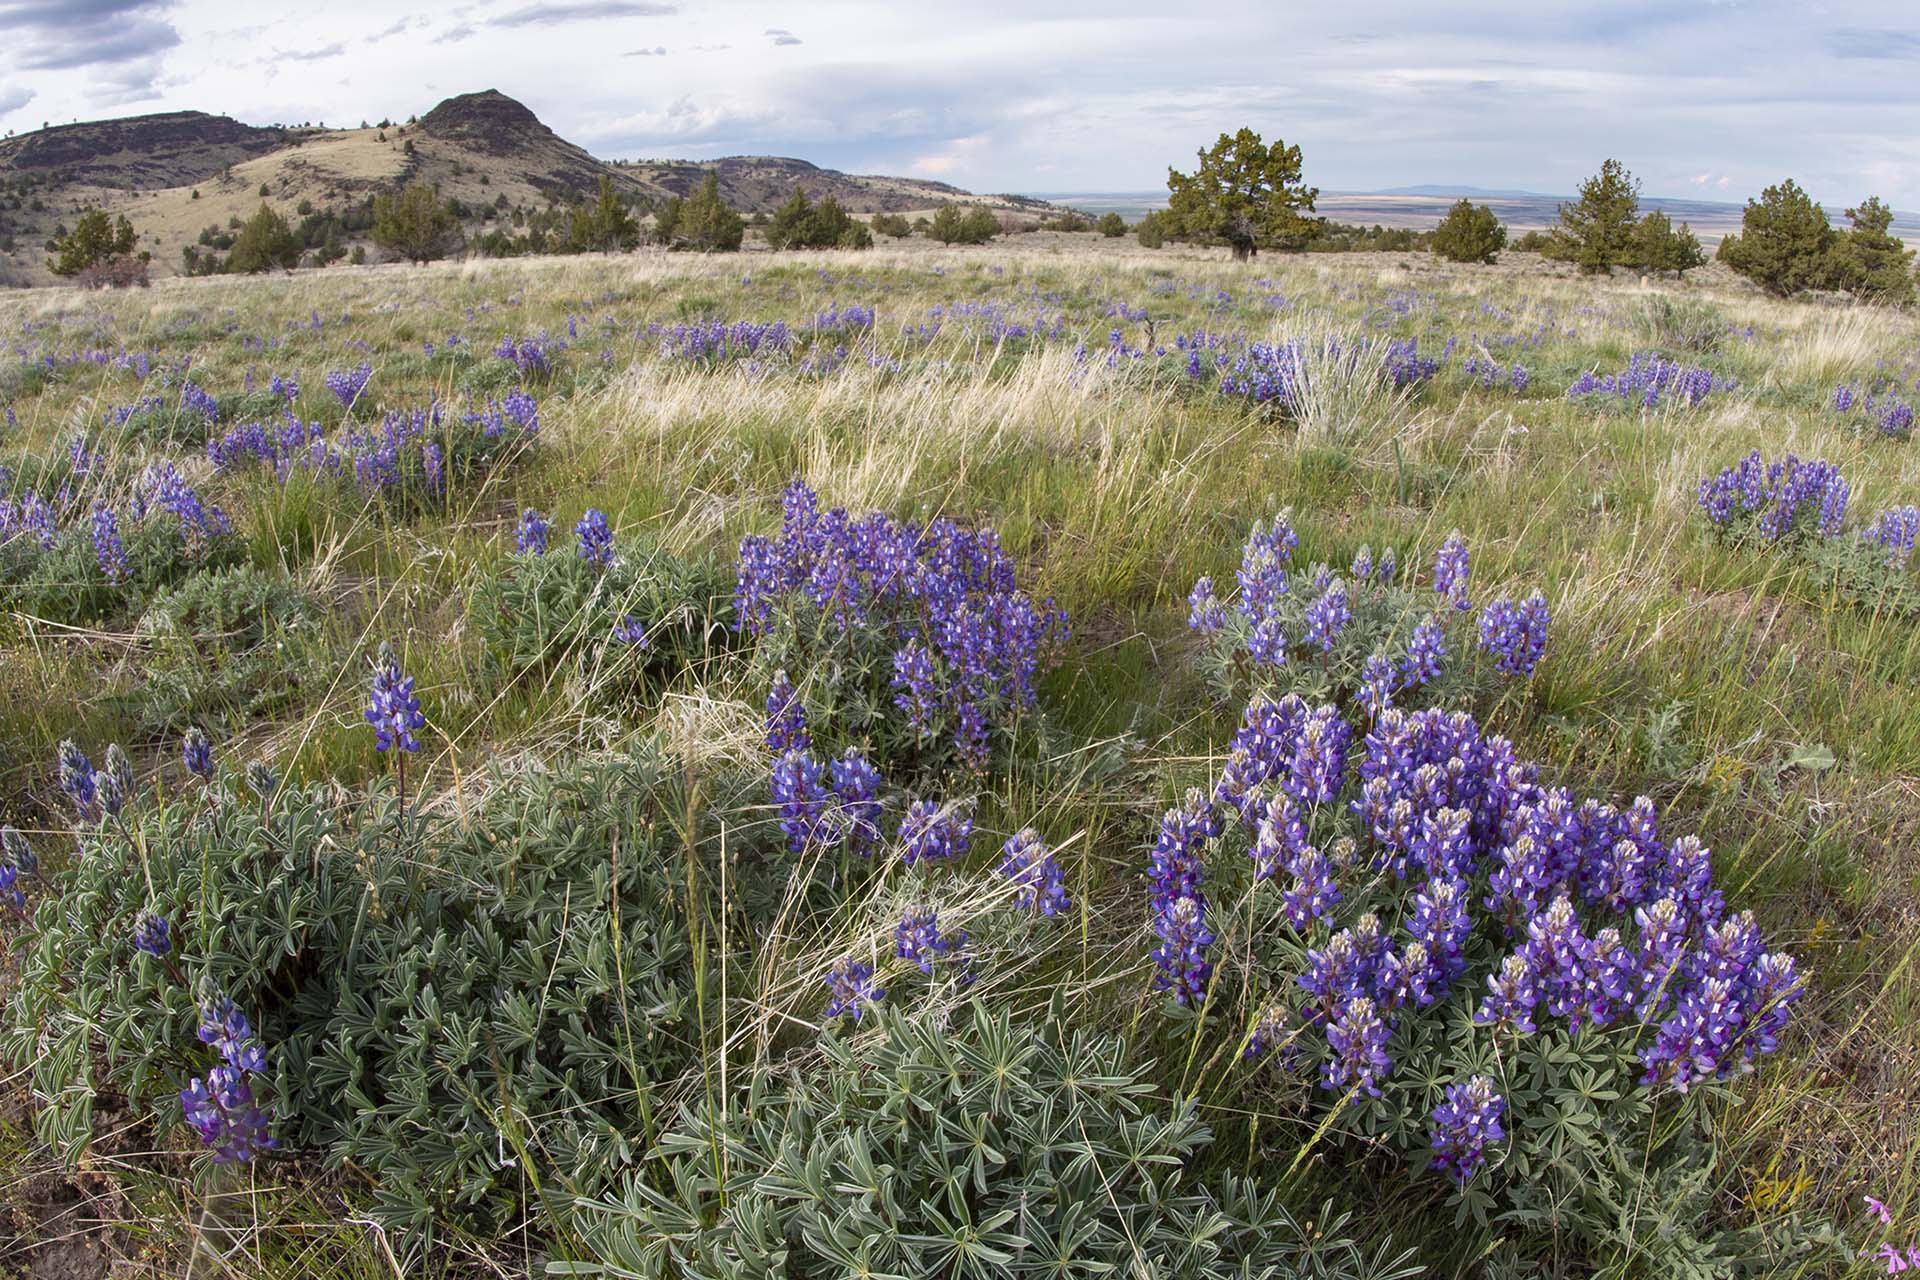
[
  {"x": 1244, "y": 194},
  {"x": 604, "y": 226},
  {"x": 66, "y": 583},
  {"x": 986, "y": 1149},
  {"x": 1151, "y": 230},
  {"x": 1785, "y": 242},
  {"x": 264, "y": 242},
  {"x": 544, "y": 614},
  {"x": 464, "y": 1010},
  {"x": 226, "y": 647},
  {"x": 1111, "y": 225},
  {"x": 1596, "y": 231},
  {"x": 1469, "y": 233},
  {"x": 701, "y": 222},
  {"x": 1657, "y": 245},
  {"x": 951, "y": 225},
  {"x": 1869, "y": 261},
  {"x": 416, "y": 224},
  {"x": 890, "y": 224},
  {"x": 801, "y": 224},
  {"x": 94, "y": 240}
]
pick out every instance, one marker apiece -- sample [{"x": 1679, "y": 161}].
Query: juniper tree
[
  {"x": 1785, "y": 242},
  {"x": 1596, "y": 230},
  {"x": 264, "y": 242},
  {"x": 95, "y": 238},
  {"x": 1657, "y": 245},
  {"x": 416, "y": 224},
  {"x": 1469, "y": 233},
  {"x": 1244, "y": 194}
]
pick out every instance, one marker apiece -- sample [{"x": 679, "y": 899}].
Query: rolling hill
[{"x": 178, "y": 174}]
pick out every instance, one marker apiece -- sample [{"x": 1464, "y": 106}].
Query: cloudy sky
[{"x": 1709, "y": 98}]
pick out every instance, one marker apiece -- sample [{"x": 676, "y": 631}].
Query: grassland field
[{"x": 1764, "y": 705}]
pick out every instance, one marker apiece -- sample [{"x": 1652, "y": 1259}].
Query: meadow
[{"x": 1041, "y": 759}]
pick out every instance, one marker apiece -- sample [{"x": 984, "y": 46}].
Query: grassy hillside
[
  {"x": 184, "y": 173},
  {"x": 588, "y": 928}
]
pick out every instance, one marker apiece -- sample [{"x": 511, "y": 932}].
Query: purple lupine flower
[
  {"x": 1362, "y": 567},
  {"x": 16, "y": 852},
  {"x": 1176, "y": 869},
  {"x": 222, "y": 1111},
  {"x": 1263, "y": 568},
  {"x": 347, "y": 384},
  {"x": 1511, "y": 997},
  {"x": 1318, "y": 770},
  {"x": 786, "y": 723},
  {"x": 1515, "y": 634},
  {"x": 1267, "y": 643},
  {"x": 1358, "y": 1039},
  {"x": 919, "y": 694},
  {"x": 1385, "y": 571},
  {"x": 1441, "y": 924},
  {"x": 1896, "y": 530},
  {"x": 78, "y": 778},
  {"x": 530, "y": 534},
  {"x": 522, "y": 410},
  {"x": 1464, "y": 1124},
  {"x": 1450, "y": 570},
  {"x": 931, "y": 832},
  {"x": 1180, "y": 961},
  {"x": 221, "y": 1108},
  {"x": 1270, "y": 1034},
  {"x": 1408, "y": 978},
  {"x": 433, "y": 467},
  {"x": 197, "y": 401},
  {"x": 1772, "y": 986},
  {"x": 108, "y": 549},
  {"x": 1313, "y": 894},
  {"x": 116, "y": 781},
  {"x": 1327, "y": 617},
  {"x": 596, "y": 539},
  {"x": 1663, "y": 951},
  {"x": 1377, "y": 683},
  {"x": 1204, "y": 611},
  {"x": 631, "y": 631},
  {"x": 392, "y": 709},
  {"x": 151, "y": 934},
  {"x": 1029, "y": 865},
  {"x": 801, "y": 797},
  {"x": 1281, "y": 838},
  {"x": 855, "y": 818},
  {"x": 1424, "y": 654},
  {"x": 1559, "y": 956},
  {"x": 1697, "y": 1042},
  {"x": 1842, "y": 398},
  {"x": 852, "y": 989},
  {"x": 1334, "y": 973},
  {"x": 917, "y": 938}
]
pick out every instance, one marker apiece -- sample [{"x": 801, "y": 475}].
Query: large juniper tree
[{"x": 1244, "y": 194}]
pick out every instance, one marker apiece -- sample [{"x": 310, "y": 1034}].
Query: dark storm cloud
[{"x": 546, "y": 15}]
